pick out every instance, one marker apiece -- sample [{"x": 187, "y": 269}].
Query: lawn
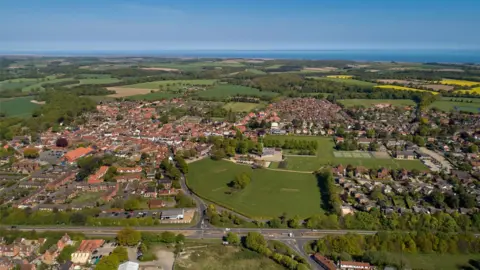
[
  {"x": 436, "y": 261},
  {"x": 348, "y": 81},
  {"x": 269, "y": 194},
  {"x": 169, "y": 84},
  {"x": 20, "y": 107},
  {"x": 372, "y": 102},
  {"x": 403, "y": 88},
  {"x": 325, "y": 157},
  {"x": 87, "y": 197},
  {"x": 242, "y": 106},
  {"x": 457, "y": 104},
  {"x": 459, "y": 82},
  {"x": 227, "y": 90}
]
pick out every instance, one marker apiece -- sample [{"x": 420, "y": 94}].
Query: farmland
[
  {"x": 326, "y": 157},
  {"x": 346, "y": 81},
  {"x": 269, "y": 194},
  {"x": 169, "y": 84},
  {"x": 241, "y": 106},
  {"x": 19, "y": 107},
  {"x": 457, "y": 104},
  {"x": 340, "y": 76},
  {"x": 459, "y": 82},
  {"x": 372, "y": 102},
  {"x": 445, "y": 261},
  {"x": 475, "y": 91},
  {"x": 225, "y": 90},
  {"x": 403, "y": 88},
  {"x": 17, "y": 83}
]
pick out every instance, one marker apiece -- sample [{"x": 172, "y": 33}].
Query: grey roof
[{"x": 172, "y": 212}]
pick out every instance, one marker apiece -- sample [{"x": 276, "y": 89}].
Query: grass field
[
  {"x": 345, "y": 81},
  {"x": 20, "y": 107},
  {"x": 39, "y": 84},
  {"x": 87, "y": 197},
  {"x": 169, "y": 84},
  {"x": 403, "y": 88},
  {"x": 16, "y": 83},
  {"x": 219, "y": 257},
  {"x": 226, "y": 90},
  {"x": 372, "y": 102},
  {"x": 457, "y": 104},
  {"x": 154, "y": 96},
  {"x": 340, "y": 76},
  {"x": 325, "y": 157},
  {"x": 459, "y": 82},
  {"x": 269, "y": 194},
  {"x": 440, "y": 262},
  {"x": 241, "y": 106},
  {"x": 255, "y": 71}
]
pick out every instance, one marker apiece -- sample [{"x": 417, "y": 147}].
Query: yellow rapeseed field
[
  {"x": 340, "y": 76},
  {"x": 459, "y": 82},
  {"x": 475, "y": 91},
  {"x": 403, "y": 88}
]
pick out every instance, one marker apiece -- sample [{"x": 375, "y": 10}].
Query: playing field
[
  {"x": 326, "y": 156},
  {"x": 372, "y": 102},
  {"x": 457, "y": 104},
  {"x": 269, "y": 194},
  {"x": 443, "y": 261},
  {"x": 403, "y": 88},
  {"x": 227, "y": 90},
  {"x": 19, "y": 107},
  {"x": 242, "y": 106},
  {"x": 173, "y": 84}
]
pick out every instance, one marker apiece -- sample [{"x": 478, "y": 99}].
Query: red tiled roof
[{"x": 77, "y": 153}]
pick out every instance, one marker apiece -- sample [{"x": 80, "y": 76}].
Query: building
[
  {"x": 405, "y": 155},
  {"x": 64, "y": 241},
  {"x": 128, "y": 266},
  {"x": 324, "y": 262},
  {"x": 84, "y": 252},
  {"x": 97, "y": 177},
  {"x": 156, "y": 203},
  {"x": 72, "y": 156},
  {"x": 137, "y": 169},
  {"x": 349, "y": 265},
  {"x": 173, "y": 214}
]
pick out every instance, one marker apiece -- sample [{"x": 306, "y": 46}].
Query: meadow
[
  {"x": 242, "y": 106},
  {"x": 403, "y": 88},
  {"x": 226, "y": 90},
  {"x": 169, "y": 84},
  {"x": 326, "y": 157},
  {"x": 269, "y": 194},
  {"x": 17, "y": 83},
  {"x": 443, "y": 261},
  {"x": 49, "y": 79},
  {"x": 448, "y": 104},
  {"x": 19, "y": 107},
  {"x": 372, "y": 102},
  {"x": 348, "y": 81}
]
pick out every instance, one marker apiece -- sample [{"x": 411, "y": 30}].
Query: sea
[{"x": 419, "y": 56}]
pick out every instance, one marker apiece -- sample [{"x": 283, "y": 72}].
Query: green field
[
  {"x": 372, "y": 102},
  {"x": 16, "y": 83},
  {"x": 173, "y": 84},
  {"x": 256, "y": 71},
  {"x": 156, "y": 96},
  {"x": 269, "y": 194},
  {"x": 242, "y": 106},
  {"x": 403, "y": 88},
  {"x": 440, "y": 262},
  {"x": 457, "y": 104},
  {"x": 346, "y": 81},
  {"x": 20, "y": 107},
  {"x": 87, "y": 197},
  {"x": 194, "y": 66},
  {"x": 325, "y": 157},
  {"x": 49, "y": 79},
  {"x": 226, "y": 90}
]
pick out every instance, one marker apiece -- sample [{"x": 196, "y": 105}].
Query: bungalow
[
  {"x": 150, "y": 192},
  {"x": 131, "y": 177}
]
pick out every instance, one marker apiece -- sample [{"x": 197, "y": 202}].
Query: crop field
[
  {"x": 38, "y": 85},
  {"x": 158, "y": 95},
  {"x": 403, "y": 88},
  {"x": 373, "y": 102},
  {"x": 346, "y": 81},
  {"x": 255, "y": 71},
  {"x": 126, "y": 92},
  {"x": 242, "y": 106},
  {"x": 19, "y": 107},
  {"x": 226, "y": 90},
  {"x": 340, "y": 76},
  {"x": 459, "y": 82},
  {"x": 325, "y": 156},
  {"x": 457, "y": 104},
  {"x": 169, "y": 84},
  {"x": 269, "y": 194},
  {"x": 475, "y": 91},
  {"x": 17, "y": 83}
]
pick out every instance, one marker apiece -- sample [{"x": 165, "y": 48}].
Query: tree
[
  {"x": 180, "y": 238},
  {"x": 31, "y": 153},
  {"x": 132, "y": 204},
  {"x": 473, "y": 148},
  {"x": 121, "y": 253},
  {"x": 168, "y": 237},
  {"x": 182, "y": 164},
  {"x": 128, "y": 237},
  {"x": 61, "y": 142},
  {"x": 255, "y": 241},
  {"x": 66, "y": 254},
  {"x": 241, "y": 181},
  {"x": 110, "y": 262},
  {"x": 232, "y": 238}
]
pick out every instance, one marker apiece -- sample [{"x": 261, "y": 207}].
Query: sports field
[
  {"x": 269, "y": 194},
  {"x": 372, "y": 102},
  {"x": 19, "y": 107},
  {"x": 443, "y": 261},
  {"x": 326, "y": 156},
  {"x": 227, "y": 90},
  {"x": 403, "y": 88},
  {"x": 241, "y": 106}
]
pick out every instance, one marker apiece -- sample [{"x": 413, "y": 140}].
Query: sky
[{"x": 116, "y": 25}]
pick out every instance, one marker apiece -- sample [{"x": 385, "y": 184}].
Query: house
[
  {"x": 49, "y": 256},
  {"x": 136, "y": 169},
  {"x": 97, "y": 177},
  {"x": 6, "y": 263},
  {"x": 350, "y": 265},
  {"x": 84, "y": 252},
  {"x": 131, "y": 177},
  {"x": 365, "y": 141},
  {"x": 72, "y": 156},
  {"x": 156, "y": 203},
  {"x": 324, "y": 262},
  {"x": 360, "y": 171},
  {"x": 339, "y": 170},
  {"x": 128, "y": 266},
  {"x": 167, "y": 183},
  {"x": 383, "y": 173},
  {"x": 173, "y": 214},
  {"x": 405, "y": 155},
  {"x": 28, "y": 266},
  {"x": 9, "y": 250},
  {"x": 150, "y": 192},
  {"x": 64, "y": 241}
]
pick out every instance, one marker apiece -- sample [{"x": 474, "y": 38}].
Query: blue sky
[{"x": 53, "y": 25}]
